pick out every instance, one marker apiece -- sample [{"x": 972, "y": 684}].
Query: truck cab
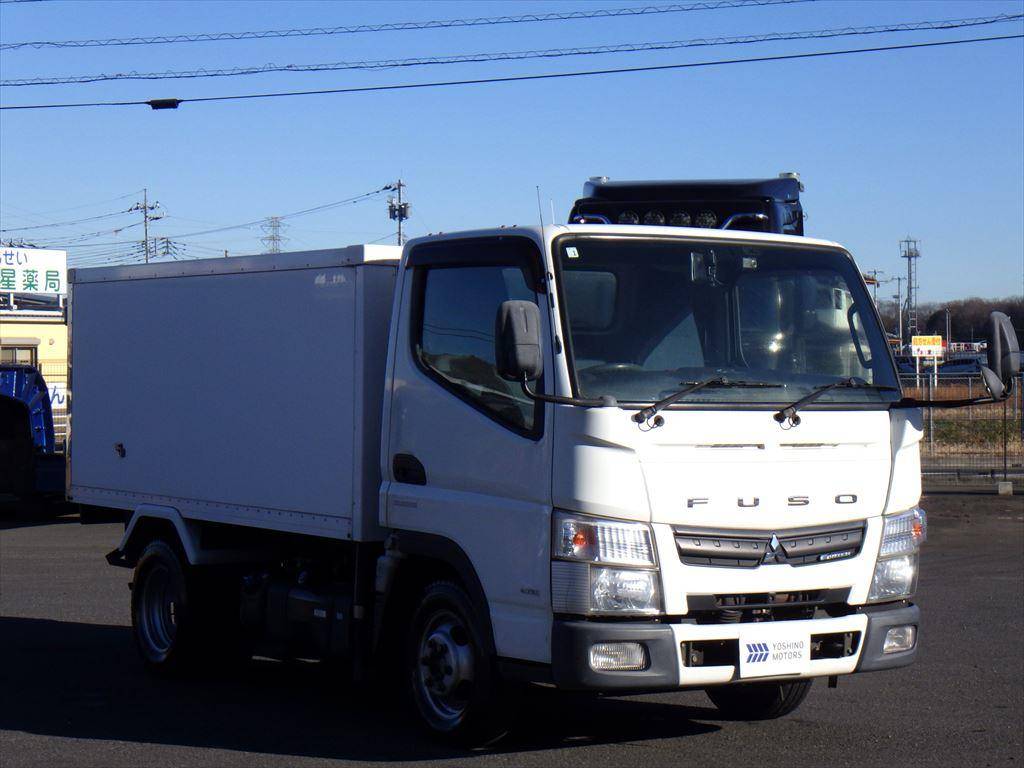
[{"x": 710, "y": 544}]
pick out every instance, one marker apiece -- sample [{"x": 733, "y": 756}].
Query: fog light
[
  {"x": 897, "y": 639},
  {"x": 618, "y": 657}
]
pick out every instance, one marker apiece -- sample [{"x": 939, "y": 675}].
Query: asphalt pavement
[{"x": 72, "y": 691}]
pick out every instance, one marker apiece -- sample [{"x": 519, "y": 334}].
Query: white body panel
[
  {"x": 488, "y": 489},
  {"x": 242, "y": 390}
]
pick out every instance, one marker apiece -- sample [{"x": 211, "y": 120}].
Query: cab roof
[{"x": 550, "y": 232}]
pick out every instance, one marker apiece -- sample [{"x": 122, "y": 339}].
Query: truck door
[{"x": 468, "y": 454}]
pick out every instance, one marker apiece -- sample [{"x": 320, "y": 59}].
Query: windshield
[{"x": 644, "y": 317}]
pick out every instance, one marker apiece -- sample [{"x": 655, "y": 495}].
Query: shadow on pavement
[
  {"x": 17, "y": 513},
  {"x": 85, "y": 681}
]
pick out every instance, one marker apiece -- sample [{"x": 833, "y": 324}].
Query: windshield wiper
[
  {"x": 651, "y": 411},
  {"x": 789, "y": 413}
]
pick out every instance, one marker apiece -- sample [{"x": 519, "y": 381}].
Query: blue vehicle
[
  {"x": 963, "y": 366},
  {"x": 29, "y": 461}
]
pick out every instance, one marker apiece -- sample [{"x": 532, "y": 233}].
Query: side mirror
[
  {"x": 1003, "y": 356},
  {"x": 517, "y": 347}
]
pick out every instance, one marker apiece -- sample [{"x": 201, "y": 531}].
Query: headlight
[
  {"x": 904, "y": 533},
  {"x": 897, "y": 566},
  {"x": 587, "y": 573},
  {"x": 623, "y": 589},
  {"x": 601, "y": 541}
]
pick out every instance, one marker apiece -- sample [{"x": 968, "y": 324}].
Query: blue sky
[{"x": 928, "y": 142}]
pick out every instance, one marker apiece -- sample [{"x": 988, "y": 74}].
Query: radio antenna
[{"x": 540, "y": 210}]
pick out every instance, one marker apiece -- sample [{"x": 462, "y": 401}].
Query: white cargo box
[{"x": 244, "y": 390}]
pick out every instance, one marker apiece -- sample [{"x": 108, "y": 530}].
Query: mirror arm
[{"x": 601, "y": 402}]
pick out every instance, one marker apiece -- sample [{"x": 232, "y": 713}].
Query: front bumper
[{"x": 665, "y": 644}]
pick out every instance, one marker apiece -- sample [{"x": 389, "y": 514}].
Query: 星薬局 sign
[{"x": 33, "y": 270}]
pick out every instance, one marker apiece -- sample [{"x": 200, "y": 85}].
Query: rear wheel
[
  {"x": 759, "y": 701},
  {"x": 182, "y": 616},
  {"x": 161, "y": 608},
  {"x": 453, "y": 681}
]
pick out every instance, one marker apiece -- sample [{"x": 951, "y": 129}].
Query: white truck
[{"x": 616, "y": 458}]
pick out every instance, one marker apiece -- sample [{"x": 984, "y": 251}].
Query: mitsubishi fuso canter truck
[{"x": 660, "y": 447}]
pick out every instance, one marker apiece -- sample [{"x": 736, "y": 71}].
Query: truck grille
[
  {"x": 749, "y": 549},
  {"x": 767, "y": 606}
]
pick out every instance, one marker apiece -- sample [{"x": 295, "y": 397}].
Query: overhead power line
[
  {"x": 64, "y": 223},
  {"x": 174, "y": 103},
  {"x": 40, "y": 214},
  {"x": 315, "y": 209},
  {"x": 80, "y": 240},
  {"x": 814, "y": 34},
  {"x": 402, "y": 26}
]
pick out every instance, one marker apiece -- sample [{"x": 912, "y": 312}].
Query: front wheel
[
  {"x": 453, "y": 681},
  {"x": 759, "y": 701}
]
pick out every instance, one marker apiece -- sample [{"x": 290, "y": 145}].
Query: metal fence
[
  {"x": 56, "y": 376},
  {"x": 967, "y": 445}
]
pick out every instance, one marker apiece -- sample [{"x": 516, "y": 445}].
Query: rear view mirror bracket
[
  {"x": 998, "y": 376},
  {"x": 1003, "y": 357}
]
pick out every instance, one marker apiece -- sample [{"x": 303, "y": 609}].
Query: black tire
[
  {"x": 452, "y": 678},
  {"x": 759, "y": 701},
  {"x": 162, "y": 621},
  {"x": 184, "y": 617}
]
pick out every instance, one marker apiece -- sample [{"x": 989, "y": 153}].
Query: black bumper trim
[
  {"x": 880, "y": 619},
  {"x": 570, "y": 655}
]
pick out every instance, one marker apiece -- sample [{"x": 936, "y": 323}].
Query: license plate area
[{"x": 768, "y": 648}]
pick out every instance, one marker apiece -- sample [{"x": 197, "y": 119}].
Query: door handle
[{"x": 408, "y": 469}]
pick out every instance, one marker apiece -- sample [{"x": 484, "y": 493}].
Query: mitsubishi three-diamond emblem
[{"x": 774, "y": 553}]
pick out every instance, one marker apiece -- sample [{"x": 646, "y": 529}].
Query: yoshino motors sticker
[
  {"x": 757, "y": 653},
  {"x": 774, "y": 649}
]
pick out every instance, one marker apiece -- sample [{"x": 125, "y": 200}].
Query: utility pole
[
  {"x": 910, "y": 252},
  {"x": 272, "y": 234},
  {"x": 899, "y": 309},
  {"x": 874, "y": 282},
  {"x": 147, "y": 217},
  {"x": 398, "y": 210}
]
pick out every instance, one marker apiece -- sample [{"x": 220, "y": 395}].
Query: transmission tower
[
  {"x": 398, "y": 210},
  {"x": 166, "y": 248},
  {"x": 910, "y": 252},
  {"x": 272, "y": 238}
]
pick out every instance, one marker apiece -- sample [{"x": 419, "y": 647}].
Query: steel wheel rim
[
  {"x": 158, "y": 611},
  {"x": 444, "y": 668}
]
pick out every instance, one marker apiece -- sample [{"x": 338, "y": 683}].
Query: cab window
[{"x": 456, "y": 337}]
